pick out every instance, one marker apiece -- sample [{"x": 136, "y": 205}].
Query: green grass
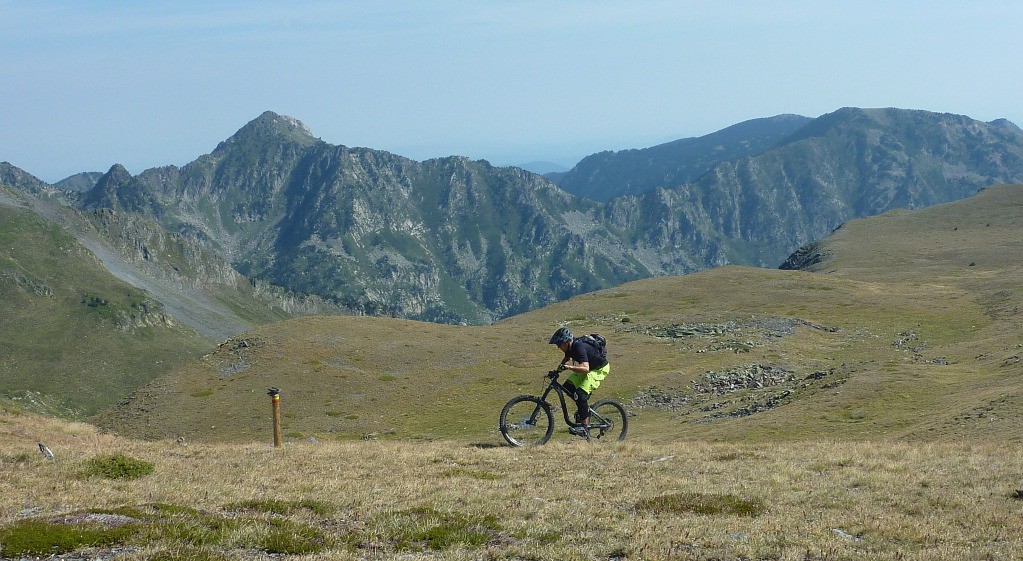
[
  {"x": 77, "y": 337},
  {"x": 426, "y": 528},
  {"x": 187, "y": 533},
  {"x": 288, "y": 537},
  {"x": 118, "y": 466},
  {"x": 40, "y": 537}
]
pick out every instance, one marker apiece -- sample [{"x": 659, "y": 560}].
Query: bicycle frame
[{"x": 596, "y": 421}]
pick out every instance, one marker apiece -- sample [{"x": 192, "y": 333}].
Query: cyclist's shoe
[{"x": 579, "y": 431}]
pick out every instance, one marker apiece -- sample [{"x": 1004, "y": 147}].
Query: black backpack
[{"x": 597, "y": 341}]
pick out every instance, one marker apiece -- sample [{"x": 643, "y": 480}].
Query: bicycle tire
[
  {"x": 527, "y": 421},
  {"x": 614, "y": 414}
]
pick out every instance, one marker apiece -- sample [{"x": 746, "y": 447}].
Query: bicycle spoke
[
  {"x": 526, "y": 421},
  {"x": 608, "y": 421}
]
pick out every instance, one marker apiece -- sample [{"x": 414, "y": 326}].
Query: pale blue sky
[{"x": 85, "y": 85}]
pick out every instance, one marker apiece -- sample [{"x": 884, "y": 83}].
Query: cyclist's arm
[{"x": 580, "y": 367}]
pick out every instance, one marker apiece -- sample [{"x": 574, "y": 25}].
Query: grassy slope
[
  {"x": 61, "y": 354},
  {"x": 82, "y": 325},
  {"x": 911, "y": 340},
  {"x": 818, "y": 500}
]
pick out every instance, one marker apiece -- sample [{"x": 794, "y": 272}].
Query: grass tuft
[
  {"x": 702, "y": 503},
  {"x": 475, "y": 474},
  {"x": 188, "y": 554},
  {"x": 420, "y": 528},
  {"x": 288, "y": 537},
  {"x": 283, "y": 508}
]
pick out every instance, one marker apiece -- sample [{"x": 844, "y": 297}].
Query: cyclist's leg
[
  {"x": 586, "y": 386},
  {"x": 581, "y": 399}
]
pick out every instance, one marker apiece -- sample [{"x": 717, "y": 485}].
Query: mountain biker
[{"x": 588, "y": 368}]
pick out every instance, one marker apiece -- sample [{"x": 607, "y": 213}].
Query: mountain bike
[{"x": 527, "y": 420}]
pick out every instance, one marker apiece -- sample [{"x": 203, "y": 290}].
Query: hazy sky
[{"x": 85, "y": 85}]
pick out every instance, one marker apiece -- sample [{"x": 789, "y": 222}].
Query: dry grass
[{"x": 568, "y": 500}]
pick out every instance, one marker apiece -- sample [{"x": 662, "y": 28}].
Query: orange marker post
[{"x": 275, "y": 394}]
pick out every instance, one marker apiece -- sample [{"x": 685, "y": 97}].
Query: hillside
[
  {"x": 73, "y": 337},
  {"x": 96, "y": 304},
  {"x": 910, "y": 329}
]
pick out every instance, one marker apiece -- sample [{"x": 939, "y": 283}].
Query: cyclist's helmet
[{"x": 562, "y": 335}]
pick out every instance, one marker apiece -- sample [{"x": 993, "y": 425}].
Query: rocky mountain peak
[
  {"x": 117, "y": 189},
  {"x": 1006, "y": 125},
  {"x": 116, "y": 174},
  {"x": 272, "y": 128},
  {"x": 116, "y": 177},
  {"x": 19, "y": 178}
]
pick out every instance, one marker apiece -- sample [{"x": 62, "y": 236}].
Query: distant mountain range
[
  {"x": 455, "y": 240},
  {"x": 606, "y": 175},
  {"x": 543, "y": 168}
]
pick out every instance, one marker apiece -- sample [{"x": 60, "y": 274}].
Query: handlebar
[{"x": 553, "y": 374}]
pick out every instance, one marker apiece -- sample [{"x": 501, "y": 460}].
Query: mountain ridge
[
  {"x": 606, "y": 175},
  {"x": 457, "y": 240}
]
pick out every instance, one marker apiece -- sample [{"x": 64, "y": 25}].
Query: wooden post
[{"x": 275, "y": 394}]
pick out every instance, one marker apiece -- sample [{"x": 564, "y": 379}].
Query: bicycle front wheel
[
  {"x": 527, "y": 421},
  {"x": 608, "y": 422}
]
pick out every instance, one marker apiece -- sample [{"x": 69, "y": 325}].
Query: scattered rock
[
  {"x": 845, "y": 535},
  {"x": 32, "y": 511},
  {"x": 103, "y": 519},
  {"x": 742, "y": 377},
  {"x": 738, "y": 392},
  {"x": 658, "y": 460},
  {"x": 46, "y": 452}
]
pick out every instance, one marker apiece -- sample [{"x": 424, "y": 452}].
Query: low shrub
[
  {"x": 118, "y": 466},
  {"x": 42, "y": 537}
]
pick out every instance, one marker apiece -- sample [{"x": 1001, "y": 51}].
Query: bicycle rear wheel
[
  {"x": 608, "y": 422},
  {"x": 527, "y": 421}
]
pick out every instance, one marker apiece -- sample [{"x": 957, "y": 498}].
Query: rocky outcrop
[{"x": 807, "y": 257}]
